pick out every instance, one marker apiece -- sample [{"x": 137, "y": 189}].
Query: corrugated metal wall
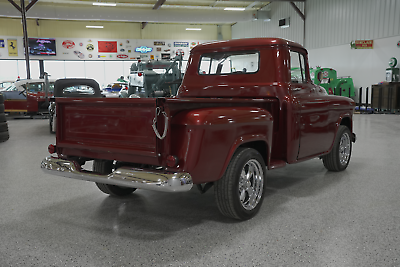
[
  {"x": 260, "y": 28},
  {"x": 328, "y": 22},
  {"x": 337, "y": 22}
]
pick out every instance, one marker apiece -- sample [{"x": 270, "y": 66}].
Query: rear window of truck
[{"x": 243, "y": 62}]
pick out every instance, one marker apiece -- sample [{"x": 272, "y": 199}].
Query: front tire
[
  {"x": 106, "y": 167},
  {"x": 240, "y": 191},
  {"x": 339, "y": 157}
]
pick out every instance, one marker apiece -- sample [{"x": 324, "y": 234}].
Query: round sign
[
  {"x": 393, "y": 62},
  {"x": 68, "y": 44},
  {"x": 90, "y": 55},
  {"x": 90, "y": 47}
]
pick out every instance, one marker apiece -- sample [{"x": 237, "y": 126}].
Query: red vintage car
[{"x": 28, "y": 96}]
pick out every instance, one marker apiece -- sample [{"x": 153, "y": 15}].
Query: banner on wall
[
  {"x": 362, "y": 44},
  {"x": 108, "y": 46},
  {"x": 12, "y": 47}
]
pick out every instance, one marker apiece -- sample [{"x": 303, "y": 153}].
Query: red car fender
[
  {"x": 205, "y": 139},
  {"x": 246, "y": 141}
]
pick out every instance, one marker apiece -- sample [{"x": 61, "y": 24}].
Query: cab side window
[{"x": 297, "y": 68}]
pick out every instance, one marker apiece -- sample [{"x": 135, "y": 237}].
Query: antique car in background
[
  {"x": 113, "y": 89},
  {"x": 28, "y": 96},
  {"x": 5, "y": 84},
  {"x": 154, "y": 78},
  {"x": 71, "y": 88}
]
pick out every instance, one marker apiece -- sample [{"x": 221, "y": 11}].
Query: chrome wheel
[
  {"x": 251, "y": 184},
  {"x": 344, "y": 149}
]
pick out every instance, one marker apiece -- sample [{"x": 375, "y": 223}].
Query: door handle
[{"x": 296, "y": 89}]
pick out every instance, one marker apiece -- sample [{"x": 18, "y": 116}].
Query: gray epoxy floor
[{"x": 310, "y": 217}]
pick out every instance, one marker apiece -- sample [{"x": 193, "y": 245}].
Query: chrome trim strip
[{"x": 124, "y": 176}]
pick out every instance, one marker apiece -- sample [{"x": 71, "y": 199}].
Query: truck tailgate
[{"x": 116, "y": 128}]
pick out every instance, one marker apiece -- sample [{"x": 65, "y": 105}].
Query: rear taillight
[
  {"x": 140, "y": 74},
  {"x": 172, "y": 161},
  {"x": 51, "y": 149}
]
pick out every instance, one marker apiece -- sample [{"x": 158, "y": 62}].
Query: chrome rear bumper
[{"x": 124, "y": 176}]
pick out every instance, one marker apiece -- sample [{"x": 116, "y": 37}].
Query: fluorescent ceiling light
[
  {"x": 235, "y": 8},
  {"x": 193, "y": 29},
  {"x": 103, "y": 4},
  {"x": 95, "y": 27}
]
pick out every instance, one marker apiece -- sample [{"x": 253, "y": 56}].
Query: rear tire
[
  {"x": 3, "y": 127},
  {"x": 339, "y": 157},
  {"x": 106, "y": 167},
  {"x": 2, "y": 117},
  {"x": 4, "y": 136},
  {"x": 2, "y": 108},
  {"x": 240, "y": 191}
]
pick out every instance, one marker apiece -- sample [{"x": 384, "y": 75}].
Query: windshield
[{"x": 11, "y": 88}]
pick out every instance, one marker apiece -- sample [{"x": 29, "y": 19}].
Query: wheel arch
[{"x": 260, "y": 145}]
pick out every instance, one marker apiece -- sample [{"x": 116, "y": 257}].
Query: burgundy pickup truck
[{"x": 244, "y": 107}]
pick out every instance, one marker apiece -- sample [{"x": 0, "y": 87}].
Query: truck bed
[{"x": 121, "y": 129}]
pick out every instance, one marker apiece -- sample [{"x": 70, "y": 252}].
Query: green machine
[
  {"x": 327, "y": 78},
  {"x": 392, "y": 73}
]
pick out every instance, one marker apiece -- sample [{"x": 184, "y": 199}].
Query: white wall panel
[
  {"x": 328, "y": 22},
  {"x": 260, "y": 28},
  {"x": 338, "y": 22},
  {"x": 365, "y": 66}
]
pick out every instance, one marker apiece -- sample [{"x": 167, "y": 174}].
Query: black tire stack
[{"x": 4, "y": 134}]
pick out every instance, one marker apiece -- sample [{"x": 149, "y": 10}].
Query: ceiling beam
[
  {"x": 15, "y": 5},
  {"x": 30, "y": 5},
  {"x": 155, "y": 7},
  {"x": 158, "y": 4},
  {"x": 303, "y": 17}
]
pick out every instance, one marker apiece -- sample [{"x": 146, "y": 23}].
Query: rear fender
[
  {"x": 204, "y": 140},
  {"x": 248, "y": 141}
]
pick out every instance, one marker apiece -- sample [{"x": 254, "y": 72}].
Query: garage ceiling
[
  {"x": 165, "y": 4},
  {"x": 158, "y": 11}
]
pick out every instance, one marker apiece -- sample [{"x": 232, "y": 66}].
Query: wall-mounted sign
[
  {"x": 12, "y": 47},
  {"x": 108, "y": 46},
  {"x": 68, "y": 44},
  {"x": 181, "y": 44},
  {"x": 159, "y": 43},
  {"x": 158, "y": 49},
  {"x": 90, "y": 47},
  {"x": 79, "y": 54},
  {"x": 143, "y": 49},
  {"x": 165, "y": 56},
  {"x": 362, "y": 44},
  {"x": 2, "y": 43},
  {"x": 122, "y": 56}
]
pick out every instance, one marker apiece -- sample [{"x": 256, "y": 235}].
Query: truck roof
[{"x": 244, "y": 42}]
